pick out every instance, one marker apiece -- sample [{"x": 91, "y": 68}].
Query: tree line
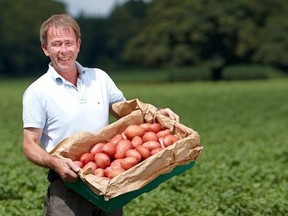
[{"x": 158, "y": 33}]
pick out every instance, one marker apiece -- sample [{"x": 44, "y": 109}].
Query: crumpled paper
[{"x": 185, "y": 150}]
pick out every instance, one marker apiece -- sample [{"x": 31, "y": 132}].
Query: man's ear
[{"x": 44, "y": 48}]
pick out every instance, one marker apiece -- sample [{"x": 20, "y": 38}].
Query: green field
[{"x": 242, "y": 169}]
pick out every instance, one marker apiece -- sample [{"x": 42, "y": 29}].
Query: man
[{"x": 66, "y": 99}]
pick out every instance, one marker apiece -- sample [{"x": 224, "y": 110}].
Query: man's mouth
[{"x": 64, "y": 59}]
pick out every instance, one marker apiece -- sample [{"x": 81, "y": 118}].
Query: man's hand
[
  {"x": 66, "y": 168},
  {"x": 169, "y": 113}
]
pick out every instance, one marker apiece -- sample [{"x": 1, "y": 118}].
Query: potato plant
[{"x": 242, "y": 169}]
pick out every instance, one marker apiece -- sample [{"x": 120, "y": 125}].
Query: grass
[
  {"x": 191, "y": 74},
  {"x": 242, "y": 169}
]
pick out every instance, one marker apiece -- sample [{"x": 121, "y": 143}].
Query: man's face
[{"x": 62, "y": 48}]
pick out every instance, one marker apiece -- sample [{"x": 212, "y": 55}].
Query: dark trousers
[{"x": 62, "y": 201}]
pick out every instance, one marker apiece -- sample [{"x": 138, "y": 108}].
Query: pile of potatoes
[{"x": 125, "y": 150}]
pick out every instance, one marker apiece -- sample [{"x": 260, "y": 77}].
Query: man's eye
[
  {"x": 56, "y": 44},
  {"x": 69, "y": 43}
]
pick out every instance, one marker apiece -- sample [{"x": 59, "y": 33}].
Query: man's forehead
[{"x": 60, "y": 31}]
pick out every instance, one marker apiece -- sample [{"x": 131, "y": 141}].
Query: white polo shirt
[{"x": 60, "y": 109}]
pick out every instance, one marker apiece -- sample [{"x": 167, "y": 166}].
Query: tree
[
  {"x": 104, "y": 38},
  {"x": 124, "y": 23},
  {"x": 213, "y": 33},
  {"x": 93, "y": 40},
  {"x": 274, "y": 43},
  {"x": 19, "y": 34}
]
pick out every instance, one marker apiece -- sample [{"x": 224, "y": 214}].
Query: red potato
[
  {"x": 97, "y": 148},
  {"x": 111, "y": 173},
  {"x": 156, "y": 127},
  {"x": 134, "y": 153},
  {"x": 121, "y": 148},
  {"x": 151, "y": 145},
  {"x": 128, "y": 162},
  {"x": 163, "y": 133},
  {"x": 149, "y": 136},
  {"x": 145, "y": 152},
  {"x": 136, "y": 141},
  {"x": 102, "y": 160},
  {"x": 87, "y": 157},
  {"x": 79, "y": 163},
  {"x": 156, "y": 150},
  {"x": 169, "y": 140},
  {"x": 134, "y": 130},
  {"x": 115, "y": 163},
  {"x": 109, "y": 149},
  {"x": 116, "y": 138},
  {"x": 99, "y": 172},
  {"x": 107, "y": 170},
  {"x": 146, "y": 126},
  {"x": 90, "y": 165}
]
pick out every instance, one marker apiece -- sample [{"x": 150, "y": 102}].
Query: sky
[{"x": 90, "y": 7}]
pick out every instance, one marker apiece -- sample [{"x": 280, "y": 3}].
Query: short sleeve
[
  {"x": 33, "y": 113},
  {"x": 115, "y": 94}
]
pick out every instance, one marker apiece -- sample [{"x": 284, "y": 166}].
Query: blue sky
[{"x": 90, "y": 7}]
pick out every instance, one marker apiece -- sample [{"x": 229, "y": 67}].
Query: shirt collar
[
  {"x": 59, "y": 79},
  {"x": 81, "y": 70}
]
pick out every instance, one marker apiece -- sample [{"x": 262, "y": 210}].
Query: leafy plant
[{"x": 242, "y": 169}]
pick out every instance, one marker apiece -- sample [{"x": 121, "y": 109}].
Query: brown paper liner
[{"x": 182, "y": 152}]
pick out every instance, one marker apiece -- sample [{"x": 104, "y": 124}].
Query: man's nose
[{"x": 63, "y": 48}]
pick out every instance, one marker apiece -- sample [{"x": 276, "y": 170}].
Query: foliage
[
  {"x": 242, "y": 170},
  {"x": 274, "y": 43},
  {"x": 153, "y": 34},
  {"x": 212, "y": 33},
  {"x": 22, "y": 185},
  {"x": 192, "y": 74},
  {"x": 103, "y": 39},
  {"x": 126, "y": 22},
  {"x": 19, "y": 34},
  {"x": 93, "y": 40}
]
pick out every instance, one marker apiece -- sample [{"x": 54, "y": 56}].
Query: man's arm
[{"x": 37, "y": 155}]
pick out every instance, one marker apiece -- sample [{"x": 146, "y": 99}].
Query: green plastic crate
[{"x": 117, "y": 202}]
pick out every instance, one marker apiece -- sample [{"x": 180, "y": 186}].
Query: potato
[
  {"x": 155, "y": 127},
  {"x": 169, "y": 140},
  {"x": 128, "y": 162},
  {"x": 116, "y": 138},
  {"x": 151, "y": 145},
  {"x": 163, "y": 133},
  {"x": 134, "y": 153},
  {"x": 86, "y": 157},
  {"x": 102, "y": 160},
  {"x": 122, "y": 147},
  {"x": 156, "y": 150},
  {"x": 134, "y": 130},
  {"x": 109, "y": 149},
  {"x": 111, "y": 173},
  {"x": 90, "y": 165},
  {"x": 136, "y": 141},
  {"x": 149, "y": 136},
  {"x": 145, "y": 152},
  {"x": 115, "y": 163},
  {"x": 146, "y": 126},
  {"x": 97, "y": 148},
  {"x": 99, "y": 172}
]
